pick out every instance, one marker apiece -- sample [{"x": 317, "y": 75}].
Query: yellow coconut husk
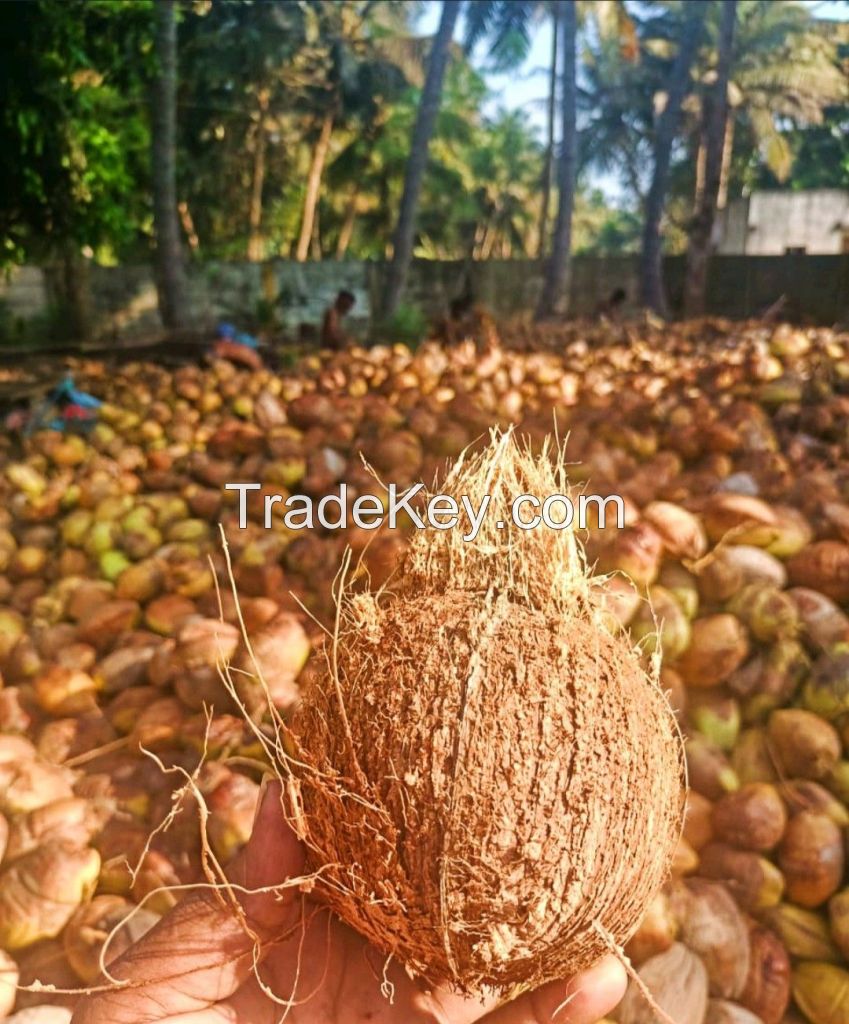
[{"x": 489, "y": 784}]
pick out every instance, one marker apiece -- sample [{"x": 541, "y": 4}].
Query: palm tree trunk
[
  {"x": 403, "y": 238},
  {"x": 255, "y": 240},
  {"x": 651, "y": 267},
  {"x": 701, "y": 231},
  {"x": 488, "y": 241},
  {"x": 171, "y": 277},
  {"x": 77, "y": 311},
  {"x": 477, "y": 242},
  {"x": 315, "y": 240},
  {"x": 346, "y": 232},
  {"x": 557, "y": 271},
  {"x": 727, "y": 153},
  {"x": 319, "y": 157},
  {"x": 699, "y": 190},
  {"x": 548, "y": 170}
]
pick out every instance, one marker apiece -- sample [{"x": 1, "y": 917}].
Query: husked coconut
[{"x": 488, "y": 782}]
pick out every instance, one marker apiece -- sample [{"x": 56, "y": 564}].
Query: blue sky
[{"x": 527, "y": 87}]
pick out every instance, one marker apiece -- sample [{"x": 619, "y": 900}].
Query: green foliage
[
  {"x": 507, "y": 26},
  {"x": 408, "y": 325},
  {"x": 785, "y": 74},
  {"x": 73, "y": 144},
  {"x": 602, "y": 229},
  {"x": 258, "y": 79},
  {"x": 820, "y": 155}
]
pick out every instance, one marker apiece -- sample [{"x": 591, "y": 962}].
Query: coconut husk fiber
[{"x": 489, "y": 783}]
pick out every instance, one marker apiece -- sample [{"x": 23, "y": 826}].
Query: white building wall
[{"x": 816, "y": 221}]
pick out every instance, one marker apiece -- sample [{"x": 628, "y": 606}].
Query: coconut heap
[{"x": 493, "y": 788}]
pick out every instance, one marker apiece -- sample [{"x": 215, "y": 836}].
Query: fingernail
[{"x": 263, "y": 789}]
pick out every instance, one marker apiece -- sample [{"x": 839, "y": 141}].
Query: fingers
[
  {"x": 584, "y": 999},
  {"x": 446, "y": 1005},
  {"x": 271, "y": 856},
  {"x": 221, "y": 1014},
  {"x": 200, "y": 952}
]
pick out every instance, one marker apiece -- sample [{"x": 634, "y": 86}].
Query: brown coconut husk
[{"x": 489, "y": 785}]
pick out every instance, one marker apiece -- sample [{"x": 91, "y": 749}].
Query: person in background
[
  {"x": 332, "y": 333},
  {"x": 237, "y": 347},
  {"x": 467, "y": 320},
  {"x": 453, "y": 326},
  {"x": 612, "y": 307}
]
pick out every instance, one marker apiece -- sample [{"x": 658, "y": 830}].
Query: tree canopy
[{"x": 294, "y": 125}]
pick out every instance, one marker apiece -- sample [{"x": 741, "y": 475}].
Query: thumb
[{"x": 271, "y": 857}]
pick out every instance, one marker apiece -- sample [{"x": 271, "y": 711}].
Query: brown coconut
[{"x": 489, "y": 785}]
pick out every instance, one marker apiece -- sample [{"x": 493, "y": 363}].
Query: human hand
[
  {"x": 237, "y": 353},
  {"x": 196, "y": 966}
]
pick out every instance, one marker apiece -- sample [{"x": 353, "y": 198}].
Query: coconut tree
[
  {"x": 237, "y": 104},
  {"x": 403, "y": 237},
  {"x": 716, "y": 117},
  {"x": 616, "y": 108},
  {"x": 785, "y": 70},
  {"x": 504, "y": 160},
  {"x": 557, "y": 268},
  {"x": 506, "y": 26},
  {"x": 337, "y": 26},
  {"x": 366, "y": 177},
  {"x": 372, "y": 60},
  {"x": 260, "y": 120},
  {"x": 614, "y": 26},
  {"x": 548, "y": 166},
  {"x": 677, "y": 86},
  {"x": 169, "y": 251}
]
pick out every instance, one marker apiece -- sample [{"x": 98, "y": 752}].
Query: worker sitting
[{"x": 332, "y": 333}]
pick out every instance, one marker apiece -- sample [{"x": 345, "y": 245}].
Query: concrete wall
[
  {"x": 731, "y": 228},
  {"x": 24, "y": 292},
  {"x": 124, "y": 299},
  {"x": 123, "y": 302},
  {"x": 813, "y": 221},
  {"x": 769, "y": 223}
]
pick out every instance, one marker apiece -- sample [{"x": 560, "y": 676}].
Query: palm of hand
[{"x": 197, "y": 966}]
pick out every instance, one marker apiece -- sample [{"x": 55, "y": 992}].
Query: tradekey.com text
[{"x": 338, "y": 510}]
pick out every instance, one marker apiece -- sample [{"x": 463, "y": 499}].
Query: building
[{"x": 774, "y": 223}]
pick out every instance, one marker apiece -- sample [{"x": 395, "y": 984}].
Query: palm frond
[
  {"x": 774, "y": 147},
  {"x": 506, "y": 26}
]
